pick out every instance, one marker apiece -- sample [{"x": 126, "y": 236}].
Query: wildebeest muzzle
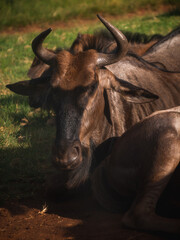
[{"x": 67, "y": 155}]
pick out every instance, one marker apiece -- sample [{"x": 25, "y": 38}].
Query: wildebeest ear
[
  {"x": 38, "y": 90},
  {"x": 23, "y": 88},
  {"x": 129, "y": 91},
  {"x": 133, "y": 93},
  {"x": 30, "y": 87}
]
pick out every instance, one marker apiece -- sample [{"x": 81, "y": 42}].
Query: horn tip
[
  {"x": 99, "y": 16},
  {"x": 45, "y": 33},
  {"x": 49, "y": 30},
  {"x": 102, "y": 19},
  {"x": 8, "y": 86}
]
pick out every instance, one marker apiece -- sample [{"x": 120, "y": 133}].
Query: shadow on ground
[{"x": 27, "y": 212}]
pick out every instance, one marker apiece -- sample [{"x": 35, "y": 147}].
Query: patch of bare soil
[
  {"x": 76, "y": 22},
  {"x": 79, "y": 218}
]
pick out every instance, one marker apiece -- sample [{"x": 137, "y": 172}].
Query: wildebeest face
[
  {"x": 71, "y": 108},
  {"x": 75, "y": 87}
]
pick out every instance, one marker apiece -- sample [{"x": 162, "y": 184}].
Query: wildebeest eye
[
  {"x": 92, "y": 87},
  {"x": 87, "y": 93}
]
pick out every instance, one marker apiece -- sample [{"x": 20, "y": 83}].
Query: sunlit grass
[{"x": 20, "y": 13}]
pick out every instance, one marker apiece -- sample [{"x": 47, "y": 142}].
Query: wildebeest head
[{"x": 76, "y": 89}]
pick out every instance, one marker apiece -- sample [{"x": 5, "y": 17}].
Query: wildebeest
[
  {"x": 94, "y": 95},
  {"x": 139, "y": 168}
]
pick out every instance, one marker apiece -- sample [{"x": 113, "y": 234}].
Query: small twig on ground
[{"x": 44, "y": 210}]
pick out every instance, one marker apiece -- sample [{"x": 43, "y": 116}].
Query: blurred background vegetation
[{"x": 16, "y": 13}]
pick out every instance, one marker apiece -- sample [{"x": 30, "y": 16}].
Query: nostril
[
  {"x": 75, "y": 151},
  {"x": 67, "y": 155}
]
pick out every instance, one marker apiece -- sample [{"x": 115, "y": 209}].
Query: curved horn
[
  {"x": 122, "y": 45},
  {"x": 42, "y": 53}
]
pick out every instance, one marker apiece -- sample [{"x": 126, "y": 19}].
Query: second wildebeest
[{"x": 135, "y": 174}]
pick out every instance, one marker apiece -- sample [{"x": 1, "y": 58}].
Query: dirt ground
[{"x": 78, "y": 218}]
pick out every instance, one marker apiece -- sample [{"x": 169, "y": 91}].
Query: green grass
[
  {"x": 20, "y": 13},
  {"x": 25, "y": 137}
]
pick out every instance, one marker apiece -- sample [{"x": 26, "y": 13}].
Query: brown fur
[
  {"x": 102, "y": 42},
  {"x": 140, "y": 49},
  {"x": 67, "y": 72}
]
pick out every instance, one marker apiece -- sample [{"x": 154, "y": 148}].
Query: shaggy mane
[{"x": 103, "y": 42}]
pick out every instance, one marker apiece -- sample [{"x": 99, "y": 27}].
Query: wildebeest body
[{"x": 137, "y": 171}]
